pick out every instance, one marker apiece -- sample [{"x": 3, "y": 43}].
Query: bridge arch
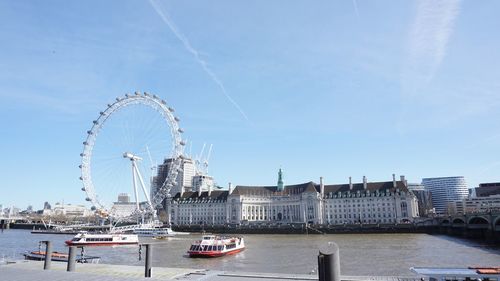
[
  {"x": 478, "y": 220},
  {"x": 458, "y": 221},
  {"x": 496, "y": 222},
  {"x": 445, "y": 221}
]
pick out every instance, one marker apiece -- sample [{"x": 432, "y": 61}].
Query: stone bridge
[{"x": 473, "y": 224}]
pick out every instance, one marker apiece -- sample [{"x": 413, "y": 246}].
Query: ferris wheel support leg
[
  {"x": 143, "y": 186},
  {"x": 136, "y": 193}
]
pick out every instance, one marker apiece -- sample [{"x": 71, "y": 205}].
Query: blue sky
[{"x": 323, "y": 88}]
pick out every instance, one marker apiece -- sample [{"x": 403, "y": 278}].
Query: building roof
[
  {"x": 371, "y": 186},
  {"x": 262, "y": 190},
  {"x": 314, "y": 187},
  {"x": 214, "y": 195}
]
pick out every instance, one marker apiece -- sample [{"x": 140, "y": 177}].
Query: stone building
[{"x": 366, "y": 202}]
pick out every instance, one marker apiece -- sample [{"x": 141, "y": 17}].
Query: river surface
[{"x": 360, "y": 254}]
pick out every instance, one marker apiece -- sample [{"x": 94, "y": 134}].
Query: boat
[
  {"x": 106, "y": 239},
  {"x": 216, "y": 246},
  {"x": 61, "y": 257},
  {"x": 470, "y": 273},
  {"x": 154, "y": 231}
]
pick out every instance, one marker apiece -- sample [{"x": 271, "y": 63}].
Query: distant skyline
[{"x": 330, "y": 88}]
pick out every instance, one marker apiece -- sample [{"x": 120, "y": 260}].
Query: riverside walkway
[{"x": 33, "y": 270}]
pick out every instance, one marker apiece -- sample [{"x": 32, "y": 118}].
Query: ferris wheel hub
[{"x": 131, "y": 156}]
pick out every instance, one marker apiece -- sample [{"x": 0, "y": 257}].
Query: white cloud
[
  {"x": 429, "y": 36},
  {"x": 164, "y": 16}
]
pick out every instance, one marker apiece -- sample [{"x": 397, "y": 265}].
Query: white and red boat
[
  {"x": 215, "y": 246},
  {"x": 87, "y": 239}
]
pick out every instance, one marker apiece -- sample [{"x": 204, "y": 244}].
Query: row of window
[
  {"x": 359, "y": 215},
  {"x": 98, "y": 239},
  {"x": 363, "y": 221},
  {"x": 206, "y": 248}
]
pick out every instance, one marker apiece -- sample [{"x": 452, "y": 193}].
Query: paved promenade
[{"x": 33, "y": 270}]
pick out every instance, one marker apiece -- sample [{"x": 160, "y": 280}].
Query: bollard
[
  {"x": 149, "y": 260},
  {"x": 71, "y": 259},
  {"x": 329, "y": 263},
  {"x": 48, "y": 255}
]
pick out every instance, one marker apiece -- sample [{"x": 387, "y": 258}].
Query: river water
[{"x": 360, "y": 254}]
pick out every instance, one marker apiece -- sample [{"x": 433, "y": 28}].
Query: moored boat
[
  {"x": 154, "y": 231},
  {"x": 87, "y": 239},
  {"x": 215, "y": 246},
  {"x": 470, "y": 273},
  {"x": 61, "y": 257}
]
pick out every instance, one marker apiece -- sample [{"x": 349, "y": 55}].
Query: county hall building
[{"x": 350, "y": 203}]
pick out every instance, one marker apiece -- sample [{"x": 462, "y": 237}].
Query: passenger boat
[
  {"x": 215, "y": 246},
  {"x": 154, "y": 231},
  {"x": 61, "y": 257},
  {"x": 87, "y": 239},
  {"x": 448, "y": 274}
]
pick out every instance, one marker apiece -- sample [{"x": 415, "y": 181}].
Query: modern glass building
[{"x": 446, "y": 192}]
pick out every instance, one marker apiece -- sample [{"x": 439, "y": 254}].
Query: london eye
[{"x": 120, "y": 154}]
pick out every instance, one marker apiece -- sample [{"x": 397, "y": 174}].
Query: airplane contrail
[
  {"x": 164, "y": 16},
  {"x": 355, "y": 4}
]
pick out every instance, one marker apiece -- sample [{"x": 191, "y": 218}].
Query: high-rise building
[
  {"x": 184, "y": 178},
  {"x": 424, "y": 199},
  {"x": 446, "y": 191}
]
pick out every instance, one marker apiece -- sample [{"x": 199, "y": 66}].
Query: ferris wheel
[{"x": 131, "y": 130}]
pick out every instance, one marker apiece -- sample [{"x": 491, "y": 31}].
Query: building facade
[
  {"x": 483, "y": 204},
  {"x": 367, "y": 202},
  {"x": 68, "y": 210},
  {"x": 424, "y": 199},
  {"x": 446, "y": 191},
  {"x": 487, "y": 189}
]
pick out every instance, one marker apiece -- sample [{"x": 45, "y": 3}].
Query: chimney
[
  {"x": 209, "y": 190},
  {"x": 403, "y": 180},
  {"x": 321, "y": 187},
  {"x": 199, "y": 190},
  {"x": 394, "y": 180},
  {"x": 364, "y": 183},
  {"x": 230, "y": 188},
  {"x": 350, "y": 183}
]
